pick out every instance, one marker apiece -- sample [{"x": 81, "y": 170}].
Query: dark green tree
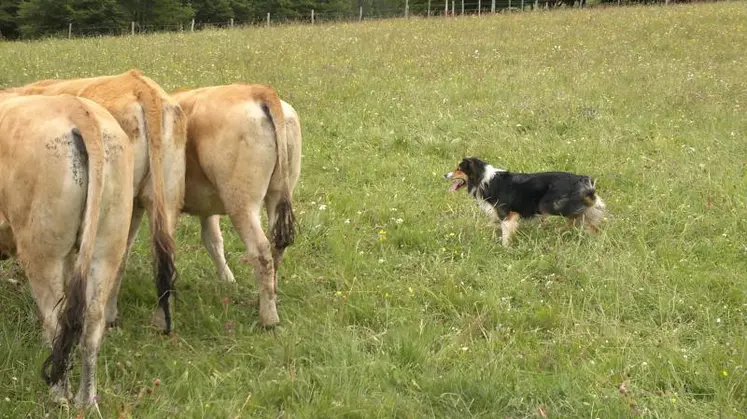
[
  {"x": 9, "y": 18},
  {"x": 215, "y": 11},
  {"x": 166, "y": 13},
  {"x": 42, "y": 17},
  {"x": 242, "y": 10}
]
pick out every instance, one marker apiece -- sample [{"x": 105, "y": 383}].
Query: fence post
[
  {"x": 132, "y": 28},
  {"x": 268, "y": 19},
  {"x": 312, "y": 16},
  {"x": 479, "y": 7},
  {"x": 509, "y": 6},
  {"x": 462, "y": 6},
  {"x": 407, "y": 9},
  {"x": 360, "y": 14},
  {"x": 452, "y": 8},
  {"x": 70, "y": 30},
  {"x": 192, "y": 29},
  {"x": 446, "y": 7},
  {"x": 232, "y": 22},
  {"x": 429, "y": 8},
  {"x": 492, "y": 6},
  {"x": 522, "y": 5}
]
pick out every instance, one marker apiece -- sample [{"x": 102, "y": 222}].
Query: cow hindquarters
[{"x": 247, "y": 224}]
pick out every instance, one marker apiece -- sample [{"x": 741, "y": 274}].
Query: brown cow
[
  {"x": 243, "y": 149},
  {"x": 65, "y": 184},
  {"x": 155, "y": 123}
]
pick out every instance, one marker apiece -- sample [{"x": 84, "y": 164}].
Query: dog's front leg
[{"x": 508, "y": 227}]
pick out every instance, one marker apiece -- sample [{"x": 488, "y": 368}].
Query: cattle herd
[{"x": 82, "y": 160}]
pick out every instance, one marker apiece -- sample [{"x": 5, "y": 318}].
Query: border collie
[{"x": 506, "y": 197}]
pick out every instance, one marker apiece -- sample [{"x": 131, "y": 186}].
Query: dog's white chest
[{"x": 489, "y": 209}]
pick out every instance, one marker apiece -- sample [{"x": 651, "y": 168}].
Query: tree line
[
  {"x": 35, "y": 18},
  {"x": 26, "y": 19}
]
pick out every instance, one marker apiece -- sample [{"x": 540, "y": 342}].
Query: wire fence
[{"x": 431, "y": 9}]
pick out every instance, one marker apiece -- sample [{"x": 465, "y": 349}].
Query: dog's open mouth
[{"x": 458, "y": 183}]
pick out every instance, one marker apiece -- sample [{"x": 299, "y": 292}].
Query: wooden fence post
[
  {"x": 479, "y": 7},
  {"x": 429, "y": 8},
  {"x": 452, "y": 8},
  {"x": 407, "y": 9},
  {"x": 192, "y": 29},
  {"x": 231, "y": 22},
  {"x": 132, "y": 28},
  {"x": 462, "y": 6},
  {"x": 312, "y": 16},
  {"x": 360, "y": 14},
  {"x": 268, "y": 19},
  {"x": 446, "y": 7},
  {"x": 492, "y": 6},
  {"x": 70, "y": 30}
]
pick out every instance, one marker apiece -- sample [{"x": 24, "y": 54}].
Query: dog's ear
[{"x": 470, "y": 164}]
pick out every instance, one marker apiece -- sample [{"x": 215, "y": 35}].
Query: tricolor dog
[{"x": 507, "y": 196}]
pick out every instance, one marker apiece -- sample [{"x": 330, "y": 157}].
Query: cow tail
[{"x": 72, "y": 316}]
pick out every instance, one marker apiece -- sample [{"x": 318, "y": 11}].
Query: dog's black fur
[{"x": 529, "y": 194}]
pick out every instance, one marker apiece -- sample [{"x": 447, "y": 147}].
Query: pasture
[{"x": 397, "y": 299}]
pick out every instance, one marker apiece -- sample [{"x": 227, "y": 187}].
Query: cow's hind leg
[
  {"x": 111, "y": 304},
  {"x": 47, "y": 278},
  {"x": 100, "y": 285},
  {"x": 247, "y": 224},
  {"x": 213, "y": 241}
]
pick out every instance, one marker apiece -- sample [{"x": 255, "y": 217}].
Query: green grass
[{"x": 398, "y": 301}]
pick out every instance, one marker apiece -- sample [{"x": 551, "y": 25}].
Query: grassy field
[{"x": 398, "y": 301}]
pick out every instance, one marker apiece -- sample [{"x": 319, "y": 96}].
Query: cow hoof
[
  {"x": 83, "y": 401},
  {"x": 268, "y": 315},
  {"x": 60, "y": 394},
  {"x": 227, "y": 276},
  {"x": 160, "y": 320}
]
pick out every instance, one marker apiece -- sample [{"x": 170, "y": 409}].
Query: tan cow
[
  {"x": 66, "y": 179},
  {"x": 243, "y": 148},
  {"x": 156, "y": 123}
]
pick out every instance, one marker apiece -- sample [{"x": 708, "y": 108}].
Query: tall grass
[{"x": 398, "y": 300}]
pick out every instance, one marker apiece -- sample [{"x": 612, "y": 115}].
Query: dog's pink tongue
[{"x": 454, "y": 186}]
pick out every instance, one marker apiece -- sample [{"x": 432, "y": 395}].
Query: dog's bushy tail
[
  {"x": 594, "y": 212},
  {"x": 589, "y": 191}
]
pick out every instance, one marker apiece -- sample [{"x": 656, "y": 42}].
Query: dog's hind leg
[{"x": 509, "y": 225}]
